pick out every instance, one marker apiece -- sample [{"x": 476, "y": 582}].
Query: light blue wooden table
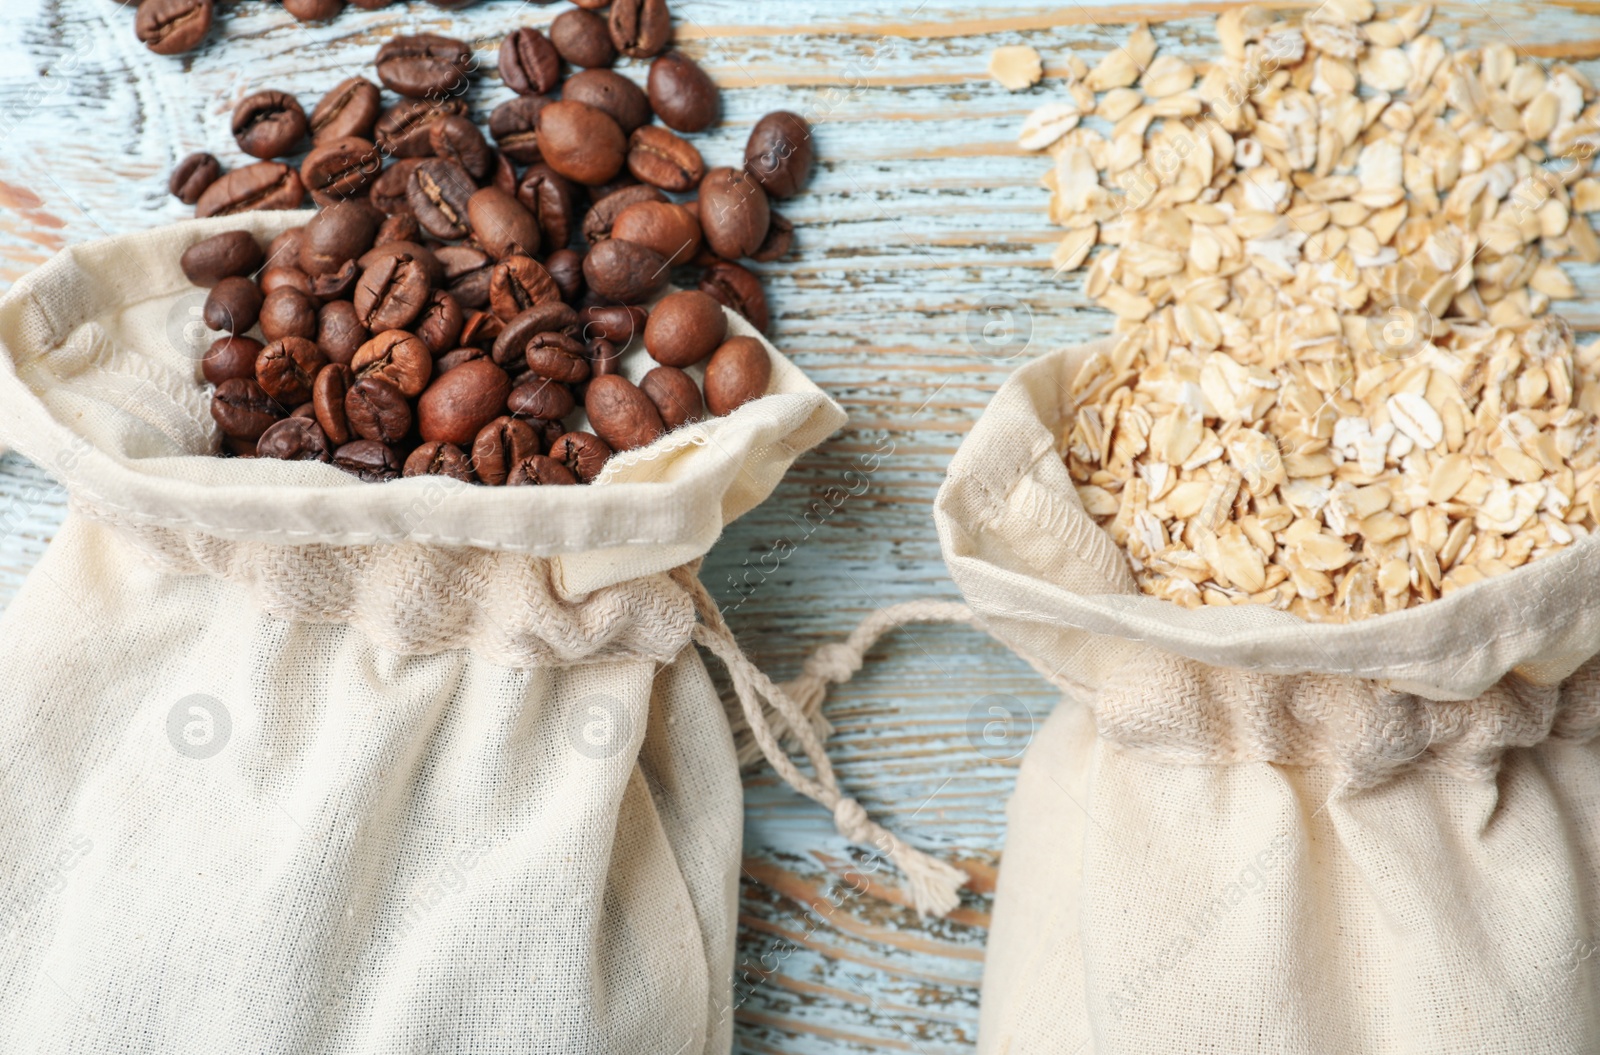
[{"x": 920, "y": 240}]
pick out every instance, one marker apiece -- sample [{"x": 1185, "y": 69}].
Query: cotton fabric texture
[
  {"x": 1242, "y": 832},
  {"x": 296, "y": 763}
]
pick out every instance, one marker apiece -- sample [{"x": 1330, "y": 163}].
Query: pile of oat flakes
[{"x": 1334, "y": 387}]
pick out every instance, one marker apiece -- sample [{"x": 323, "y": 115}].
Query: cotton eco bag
[
  {"x": 294, "y": 762},
  {"x": 1243, "y": 832}
]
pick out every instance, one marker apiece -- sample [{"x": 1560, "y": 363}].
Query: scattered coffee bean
[
  {"x": 339, "y": 332},
  {"x": 621, "y": 414},
  {"x": 737, "y": 288},
  {"x": 482, "y": 329},
  {"x": 612, "y": 93},
  {"x": 425, "y": 66},
  {"x": 779, "y": 153},
  {"x": 780, "y": 237},
  {"x": 557, "y": 356},
  {"x": 640, "y": 28},
  {"x": 659, "y": 158},
  {"x": 336, "y": 169},
  {"x": 666, "y": 227},
  {"x": 192, "y": 176},
  {"x": 598, "y": 221},
  {"x": 501, "y": 225},
  {"x": 624, "y": 271},
  {"x": 398, "y": 358},
  {"x": 466, "y": 273},
  {"x": 334, "y": 237},
  {"x": 230, "y": 357},
  {"x": 738, "y": 372},
  {"x": 285, "y": 277},
  {"x": 583, "y": 39},
  {"x": 370, "y": 460},
  {"x": 514, "y": 124},
  {"x": 313, "y": 10},
  {"x": 392, "y": 291},
  {"x": 438, "y": 195},
  {"x": 440, "y": 459},
  {"x": 439, "y": 326},
  {"x": 401, "y": 227},
  {"x": 285, "y": 249},
  {"x": 294, "y": 439},
  {"x": 617, "y": 324},
  {"x": 171, "y": 27},
  {"x": 213, "y": 259},
  {"x": 500, "y": 445},
  {"x": 457, "y": 139},
  {"x": 540, "y": 398},
  {"x": 458, "y": 404},
  {"x": 681, "y": 93},
  {"x": 328, "y": 393},
  {"x": 684, "y": 328},
  {"x": 388, "y": 192},
  {"x": 263, "y": 185},
  {"x": 581, "y": 142},
  {"x": 553, "y": 199},
  {"x": 336, "y": 285},
  {"x": 734, "y": 213},
  {"x": 351, "y": 109},
  {"x": 450, "y": 360},
  {"x": 518, "y": 283},
  {"x": 377, "y": 410},
  {"x": 286, "y": 368},
  {"x": 404, "y": 129},
  {"x": 675, "y": 395},
  {"x": 269, "y": 124},
  {"x": 242, "y": 409},
  {"x": 539, "y": 470},
  {"x": 583, "y": 453},
  {"x": 566, "y": 271},
  {"x": 412, "y": 251},
  {"x": 511, "y": 346},
  {"x": 233, "y": 305},
  {"x": 529, "y": 63}
]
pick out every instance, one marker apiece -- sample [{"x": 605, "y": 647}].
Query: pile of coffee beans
[{"x": 454, "y": 303}]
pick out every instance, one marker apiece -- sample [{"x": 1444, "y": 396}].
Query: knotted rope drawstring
[{"x": 933, "y": 883}]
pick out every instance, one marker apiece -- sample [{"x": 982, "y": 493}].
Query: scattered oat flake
[{"x": 1016, "y": 67}]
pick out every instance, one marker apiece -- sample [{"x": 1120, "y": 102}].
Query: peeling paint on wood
[{"x": 924, "y": 223}]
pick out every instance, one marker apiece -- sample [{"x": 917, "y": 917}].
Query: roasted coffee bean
[
  {"x": 510, "y": 347},
  {"x": 780, "y": 238},
  {"x": 388, "y": 192},
  {"x": 466, "y": 273},
  {"x": 737, "y": 372},
  {"x": 598, "y": 221},
  {"x": 425, "y": 66},
  {"x": 327, "y": 401},
  {"x": 285, "y": 249},
  {"x": 583, "y": 453},
  {"x": 397, "y": 357},
  {"x": 242, "y": 409},
  {"x": 450, "y": 360},
  {"x": 503, "y": 174},
  {"x": 269, "y": 124},
  {"x": 735, "y": 287},
  {"x": 263, "y": 185},
  {"x": 621, "y": 414},
  {"x": 230, "y": 357},
  {"x": 482, "y": 329},
  {"x": 286, "y": 368},
  {"x": 313, "y": 10},
  {"x": 664, "y": 160},
  {"x": 372, "y": 461},
  {"x": 285, "y": 277},
  {"x": 501, "y": 444},
  {"x": 294, "y": 439},
  {"x": 529, "y": 63},
  {"x": 501, "y": 225},
  {"x": 514, "y": 125},
  {"x": 233, "y": 305},
  {"x": 171, "y": 27},
  {"x": 423, "y": 257},
  {"x": 681, "y": 93},
  {"x": 604, "y": 357},
  {"x": 734, "y": 213},
  {"x": 402, "y": 130},
  {"x": 553, "y": 199},
  {"x": 675, "y": 395},
  {"x": 581, "y": 142},
  {"x": 305, "y": 410},
  {"x": 336, "y": 169},
  {"x": 192, "y": 176},
  {"x": 612, "y": 93},
  {"x": 440, "y": 459},
  {"x": 581, "y": 37},
  {"x": 640, "y": 28},
  {"x": 559, "y": 357},
  {"x": 566, "y": 270},
  {"x": 392, "y": 291},
  {"x": 547, "y": 429},
  {"x": 401, "y": 227},
  {"x": 213, "y": 259},
  {"x": 518, "y": 283},
  {"x": 666, "y": 227},
  {"x": 540, "y": 470},
  {"x": 377, "y": 411},
  {"x": 616, "y": 324},
  {"x": 684, "y": 328},
  {"x": 458, "y": 139},
  {"x": 350, "y": 109},
  {"x": 779, "y": 153},
  {"x": 440, "y": 325},
  {"x": 540, "y": 398},
  {"x": 334, "y": 236},
  {"x": 438, "y": 195},
  {"x": 336, "y": 285},
  {"x": 624, "y": 271},
  {"x": 457, "y": 406},
  {"x": 339, "y": 332}
]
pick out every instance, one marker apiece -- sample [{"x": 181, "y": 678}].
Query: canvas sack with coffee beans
[{"x": 349, "y": 766}]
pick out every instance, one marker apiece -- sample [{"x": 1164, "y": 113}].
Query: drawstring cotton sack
[
  {"x": 298, "y": 763},
  {"x": 1245, "y": 832}
]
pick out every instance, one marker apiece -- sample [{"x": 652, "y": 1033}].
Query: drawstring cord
[{"x": 933, "y": 884}]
